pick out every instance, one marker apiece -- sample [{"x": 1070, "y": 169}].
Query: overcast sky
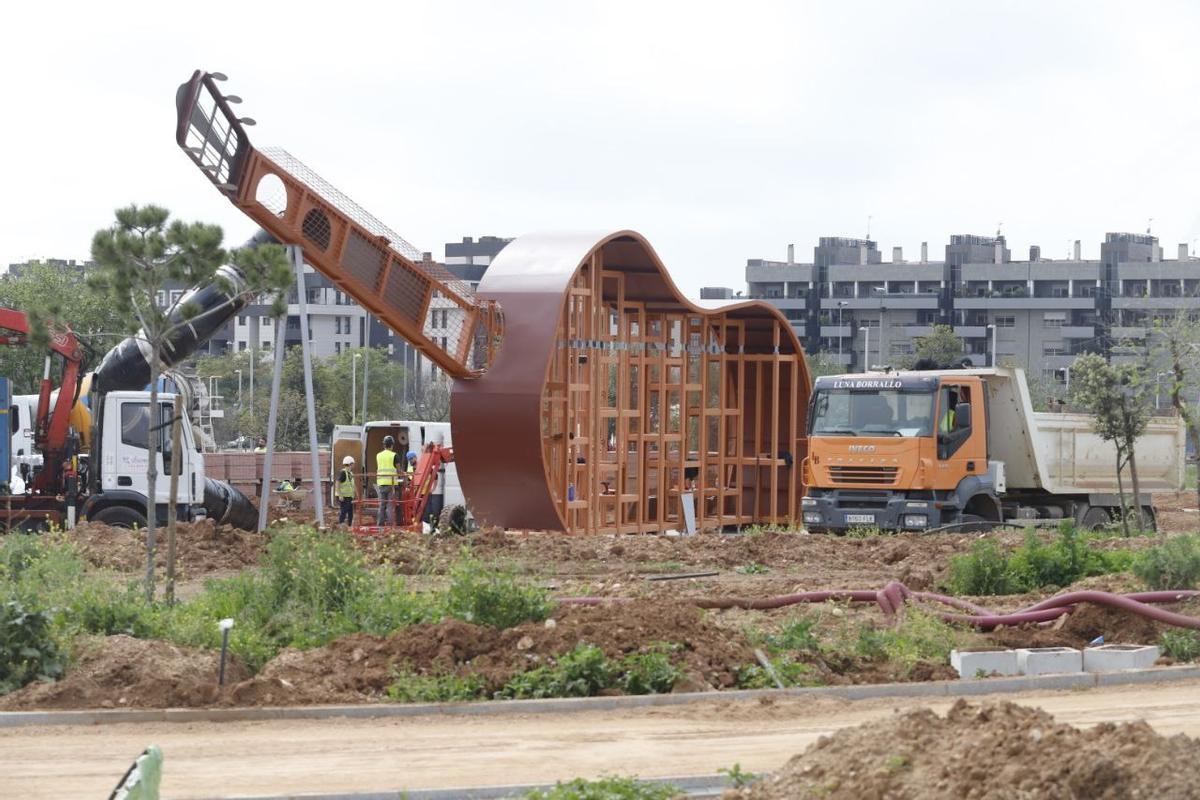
[{"x": 721, "y": 131}]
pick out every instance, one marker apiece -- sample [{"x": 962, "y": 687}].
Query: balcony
[
  {"x": 971, "y": 331},
  {"x": 884, "y": 301},
  {"x": 1030, "y": 303},
  {"x": 1079, "y": 331},
  {"x": 835, "y": 331},
  {"x": 1155, "y": 302},
  {"x": 1127, "y": 332}
]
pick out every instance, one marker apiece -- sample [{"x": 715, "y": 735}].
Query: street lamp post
[
  {"x": 1157, "y": 387},
  {"x": 239, "y": 374},
  {"x": 354, "y": 387},
  {"x": 866, "y": 332},
  {"x": 992, "y": 328}
]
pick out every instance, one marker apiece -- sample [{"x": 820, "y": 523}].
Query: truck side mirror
[{"x": 962, "y": 416}]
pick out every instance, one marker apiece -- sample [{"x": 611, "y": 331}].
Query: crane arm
[
  {"x": 51, "y": 425},
  {"x": 417, "y": 298}
]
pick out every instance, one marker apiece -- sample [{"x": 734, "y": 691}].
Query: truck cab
[
  {"x": 904, "y": 450},
  {"x": 120, "y": 491}
]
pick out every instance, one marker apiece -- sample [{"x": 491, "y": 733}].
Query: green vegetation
[
  {"x": 313, "y": 588},
  {"x": 753, "y": 568},
  {"x": 27, "y": 650},
  {"x": 738, "y": 777},
  {"x": 1174, "y": 564},
  {"x": 1180, "y": 644},
  {"x": 410, "y": 687},
  {"x": 794, "y": 651},
  {"x": 987, "y": 570},
  {"x": 585, "y": 671},
  {"x": 610, "y": 788},
  {"x": 865, "y": 533}
]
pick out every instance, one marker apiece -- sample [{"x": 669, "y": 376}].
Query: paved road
[{"x": 257, "y": 758}]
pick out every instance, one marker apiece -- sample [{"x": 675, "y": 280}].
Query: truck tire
[
  {"x": 1094, "y": 518},
  {"x": 119, "y": 517},
  {"x": 452, "y": 521}
]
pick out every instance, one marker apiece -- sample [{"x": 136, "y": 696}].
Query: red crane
[{"x": 52, "y": 424}]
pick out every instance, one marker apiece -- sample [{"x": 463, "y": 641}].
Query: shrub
[
  {"x": 982, "y": 571},
  {"x": 920, "y": 637},
  {"x": 987, "y": 570},
  {"x": 582, "y": 672},
  {"x": 28, "y": 651},
  {"x": 585, "y": 671},
  {"x": 1181, "y": 645},
  {"x": 650, "y": 672},
  {"x": 1174, "y": 564},
  {"x": 410, "y": 687},
  {"x": 790, "y": 673},
  {"x": 611, "y": 788},
  {"x": 753, "y": 568},
  {"x": 795, "y": 635},
  {"x": 493, "y": 596}
]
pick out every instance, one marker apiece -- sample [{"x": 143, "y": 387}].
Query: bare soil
[
  {"x": 989, "y": 750},
  {"x": 201, "y": 547},
  {"x": 123, "y": 672}
]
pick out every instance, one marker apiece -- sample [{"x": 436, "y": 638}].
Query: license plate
[{"x": 860, "y": 519}]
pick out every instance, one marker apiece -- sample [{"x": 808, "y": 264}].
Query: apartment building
[{"x": 1039, "y": 313}]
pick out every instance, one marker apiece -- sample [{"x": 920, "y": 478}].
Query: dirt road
[{"x": 249, "y": 758}]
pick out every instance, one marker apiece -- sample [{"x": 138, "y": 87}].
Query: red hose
[{"x": 892, "y": 597}]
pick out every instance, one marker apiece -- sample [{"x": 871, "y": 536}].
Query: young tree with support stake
[
  {"x": 1118, "y": 398},
  {"x": 136, "y": 257}
]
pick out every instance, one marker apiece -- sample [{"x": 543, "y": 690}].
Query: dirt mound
[
  {"x": 1081, "y": 627},
  {"x": 201, "y": 547},
  {"x": 993, "y": 750},
  {"x": 123, "y": 672},
  {"x": 360, "y": 667}
]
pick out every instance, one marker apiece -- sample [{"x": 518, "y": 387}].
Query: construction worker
[
  {"x": 346, "y": 492},
  {"x": 385, "y": 479},
  {"x": 411, "y": 458}
]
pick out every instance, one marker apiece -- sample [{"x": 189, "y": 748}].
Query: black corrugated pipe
[
  {"x": 225, "y": 505},
  {"x": 127, "y": 366}
]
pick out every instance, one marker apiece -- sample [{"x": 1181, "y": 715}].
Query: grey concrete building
[{"x": 1041, "y": 312}]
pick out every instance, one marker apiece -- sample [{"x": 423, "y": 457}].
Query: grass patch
[
  {"x": 1174, "y": 564},
  {"x": 988, "y": 570},
  {"x": 610, "y": 788},
  {"x": 753, "y": 568},
  {"x": 1181, "y": 645}
]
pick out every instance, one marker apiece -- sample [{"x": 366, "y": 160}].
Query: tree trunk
[
  {"x": 1181, "y": 407},
  {"x": 1137, "y": 489},
  {"x": 152, "y": 426},
  {"x": 1121, "y": 494},
  {"x": 172, "y": 511}
]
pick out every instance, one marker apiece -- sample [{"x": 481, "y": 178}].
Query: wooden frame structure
[{"x": 590, "y": 395}]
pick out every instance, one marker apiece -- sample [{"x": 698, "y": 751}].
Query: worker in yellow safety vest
[
  {"x": 346, "y": 492},
  {"x": 385, "y": 479}
]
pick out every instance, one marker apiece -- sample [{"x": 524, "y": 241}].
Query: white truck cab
[{"x": 121, "y": 493}]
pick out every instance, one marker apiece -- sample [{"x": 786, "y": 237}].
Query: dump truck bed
[{"x": 1060, "y": 453}]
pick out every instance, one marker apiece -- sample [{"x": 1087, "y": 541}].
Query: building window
[
  {"x": 241, "y": 320},
  {"x": 1053, "y": 349},
  {"x": 337, "y": 348},
  {"x": 160, "y": 298},
  {"x": 337, "y": 324},
  {"x": 1006, "y": 322},
  {"x": 1055, "y": 320}
]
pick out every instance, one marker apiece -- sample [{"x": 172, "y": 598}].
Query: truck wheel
[
  {"x": 452, "y": 521},
  {"x": 1095, "y": 518},
  {"x": 120, "y": 517}
]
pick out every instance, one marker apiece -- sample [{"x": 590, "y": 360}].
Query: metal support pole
[
  {"x": 866, "y": 349},
  {"x": 297, "y": 254},
  {"x": 366, "y": 376},
  {"x": 995, "y": 330},
  {"x": 354, "y": 387},
  {"x": 272, "y": 418}
]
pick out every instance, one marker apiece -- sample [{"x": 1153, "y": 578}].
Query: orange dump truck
[{"x": 926, "y": 449}]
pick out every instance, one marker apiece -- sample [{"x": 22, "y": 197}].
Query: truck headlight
[
  {"x": 811, "y": 518},
  {"x": 808, "y": 501},
  {"x": 915, "y": 520}
]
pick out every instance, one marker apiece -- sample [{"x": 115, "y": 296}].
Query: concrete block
[
  {"x": 1114, "y": 657},
  {"x": 970, "y": 663},
  {"x": 1049, "y": 660}
]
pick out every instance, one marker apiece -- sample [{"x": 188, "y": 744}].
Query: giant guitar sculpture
[{"x": 590, "y": 396}]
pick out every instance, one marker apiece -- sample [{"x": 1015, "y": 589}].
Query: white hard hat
[{"x": 347, "y": 460}]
